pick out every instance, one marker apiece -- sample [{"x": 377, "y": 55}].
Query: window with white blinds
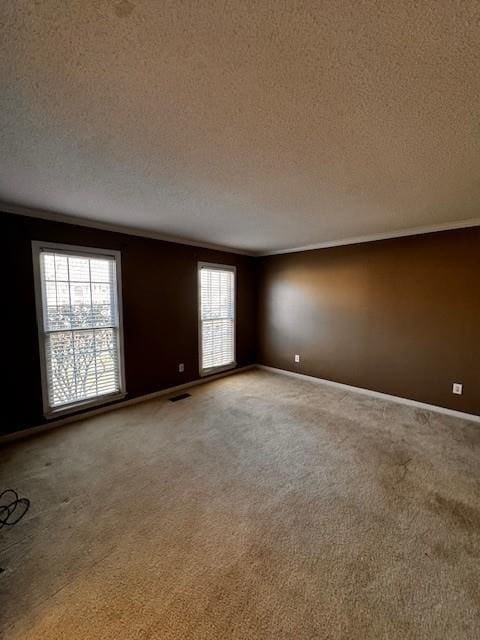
[
  {"x": 217, "y": 317},
  {"x": 79, "y": 325}
]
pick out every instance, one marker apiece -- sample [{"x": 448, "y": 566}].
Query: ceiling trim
[
  {"x": 42, "y": 214},
  {"x": 116, "y": 228},
  {"x": 415, "y": 231}
]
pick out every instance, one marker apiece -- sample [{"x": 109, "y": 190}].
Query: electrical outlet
[
  {"x": 297, "y": 357},
  {"x": 181, "y": 367},
  {"x": 457, "y": 388}
]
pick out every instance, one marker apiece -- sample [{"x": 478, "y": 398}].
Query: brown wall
[
  {"x": 159, "y": 283},
  {"x": 398, "y": 316}
]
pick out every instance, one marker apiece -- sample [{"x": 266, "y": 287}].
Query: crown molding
[
  {"x": 388, "y": 235},
  {"x": 42, "y": 214},
  {"x": 53, "y": 216}
]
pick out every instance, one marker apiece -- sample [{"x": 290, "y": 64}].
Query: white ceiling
[{"x": 254, "y": 125}]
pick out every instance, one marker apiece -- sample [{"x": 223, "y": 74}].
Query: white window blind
[
  {"x": 217, "y": 316},
  {"x": 80, "y": 327}
]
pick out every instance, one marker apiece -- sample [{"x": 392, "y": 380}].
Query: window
[
  {"x": 217, "y": 317},
  {"x": 79, "y": 324}
]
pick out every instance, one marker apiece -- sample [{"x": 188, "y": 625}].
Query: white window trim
[
  {"x": 220, "y": 267},
  {"x": 37, "y": 248}
]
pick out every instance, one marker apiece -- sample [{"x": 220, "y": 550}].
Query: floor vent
[{"x": 182, "y": 396}]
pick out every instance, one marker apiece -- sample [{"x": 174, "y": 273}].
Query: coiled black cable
[{"x": 13, "y": 508}]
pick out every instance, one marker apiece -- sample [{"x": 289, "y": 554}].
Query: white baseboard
[
  {"x": 17, "y": 435},
  {"x": 375, "y": 394}
]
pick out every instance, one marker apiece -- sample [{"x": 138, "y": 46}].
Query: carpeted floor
[{"x": 262, "y": 507}]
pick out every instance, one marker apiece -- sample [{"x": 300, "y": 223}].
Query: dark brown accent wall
[
  {"x": 159, "y": 285},
  {"x": 397, "y": 316}
]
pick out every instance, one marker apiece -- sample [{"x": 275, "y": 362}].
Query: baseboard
[
  {"x": 25, "y": 433},
  {"x": 375, "y": 394}
]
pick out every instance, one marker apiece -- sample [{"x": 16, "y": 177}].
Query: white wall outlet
[
  {"x": 457, "y": 388},
  {"x": 181, "y": 367},
  {"x": 297, "y": 357}
]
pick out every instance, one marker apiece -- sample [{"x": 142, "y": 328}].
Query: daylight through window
[
  {"x": 217, "y": 317},
  {"x": 80, "y": 327}
]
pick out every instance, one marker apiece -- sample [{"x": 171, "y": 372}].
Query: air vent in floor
[{"x": 182, "y": 396}]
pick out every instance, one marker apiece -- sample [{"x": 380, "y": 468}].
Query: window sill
[
  {"x": 86, "y": 404},
  {"x": 213, "y": 370}
]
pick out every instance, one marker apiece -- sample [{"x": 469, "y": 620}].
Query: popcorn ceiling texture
[{"x": 256, "y": 125}]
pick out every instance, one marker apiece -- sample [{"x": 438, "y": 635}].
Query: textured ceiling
[{"x": 256, "y": 125}]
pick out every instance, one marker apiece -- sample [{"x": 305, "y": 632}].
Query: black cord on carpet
[{"x": 13, "y": 511}]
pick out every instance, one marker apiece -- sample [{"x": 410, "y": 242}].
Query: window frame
[
  {"x": 218, "y": 267},
  {"x": 89, "y": 252}
]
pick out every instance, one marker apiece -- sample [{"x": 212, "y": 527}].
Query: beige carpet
[{"x": 261, "y": 507}]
